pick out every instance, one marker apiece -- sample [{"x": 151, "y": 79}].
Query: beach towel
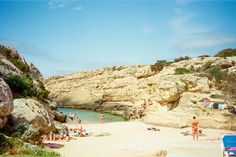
[
  {"x": 54, "y": 145},
  {"x": 220, "y": 106},
  {"x": 206, "y": 100},
  {"x": 205, "y": 104},
  {"x": 211, "y": 105},
  {"x": 215, "y": 105}
]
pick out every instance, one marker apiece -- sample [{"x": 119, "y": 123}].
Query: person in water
[
  {"x": 195, "y": 124},
  {"x": 71, "y": 116},
  {"x": 102, "y": 117},
  {"x": 79, "y": 120}
]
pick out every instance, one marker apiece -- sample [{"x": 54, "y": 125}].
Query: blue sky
[{"x": 63, "y": 36}]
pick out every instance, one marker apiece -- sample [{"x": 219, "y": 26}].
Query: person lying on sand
[
  {"x": 73, "y": 132},
  {"x": 186, "y": 133},
  {"x": 55, "y": 137},
  {"x": 82, "y": 132},
  {"x": 153, "y": 129}
]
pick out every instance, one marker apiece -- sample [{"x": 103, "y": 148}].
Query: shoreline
[{"x": 132, "y": 139}]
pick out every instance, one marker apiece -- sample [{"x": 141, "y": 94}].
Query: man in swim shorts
[{"x": 195, "y": 124}]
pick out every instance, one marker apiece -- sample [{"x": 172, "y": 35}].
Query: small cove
[{"x": 90, "y": 117}]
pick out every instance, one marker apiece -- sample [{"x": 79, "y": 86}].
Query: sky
[{"x": 65, "y": 36}]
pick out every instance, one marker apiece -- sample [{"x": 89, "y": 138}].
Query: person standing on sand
[
  {"x": 195, "y": 124},
  {"x": 102, "y": 117}
]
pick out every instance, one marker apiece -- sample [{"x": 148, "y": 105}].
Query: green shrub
[
  {"x": 15, "y": 146},
  {"x": 216, "y": 73},
  {"x": 180, "y": 71},
  {"x": 20, "y": 65},
  {"x": 182, "y": 58},
  {"x": 205, "y": 67},
  {"x": 10, "y": 145},
  {"x": 203, "y": 56},
  {"x": 215, "y": 96},
  {"x": 226, "y": 53},
  {"x": 119, "y": 68},
  {"x": 21, "y": 86},
  {"x": 159, "y": 65},
  {"x": 5, "y": 52}
]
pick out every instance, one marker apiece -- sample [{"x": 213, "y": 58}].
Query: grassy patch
[
  {"x": 216, "y": 73},
  {"x": 14, "y": 146},
  {"x": 215, "y": 96},
  {"x": 181, "y": 71}
]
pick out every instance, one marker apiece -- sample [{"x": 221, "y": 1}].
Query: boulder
[
  {"x": 168, "y": 91},
  {"x": 59, "y": 116},
  {"x": 61, "y": 129},
  {"x": 6, "y": 102},
  {"x": 30, "y": 119}
]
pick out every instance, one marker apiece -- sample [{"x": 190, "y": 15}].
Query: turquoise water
[{"x": 88, "y": 117}]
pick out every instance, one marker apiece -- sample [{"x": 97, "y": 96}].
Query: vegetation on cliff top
[
  {"x": 159, "y": 65},
  {"x": 181, "y": 59},
  {"x": 226, "y": 53}
]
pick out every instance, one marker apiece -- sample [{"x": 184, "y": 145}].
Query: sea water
[{"x": 89, "y": 117}]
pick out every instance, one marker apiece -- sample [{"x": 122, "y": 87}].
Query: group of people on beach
[
  {"x": 71, "y": 131},
  {"x": 139, "y": 113}
]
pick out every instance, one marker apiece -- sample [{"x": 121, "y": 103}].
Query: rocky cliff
[
  {"x": 25, "y": 110},
  {"x": 175, "y": 91}
]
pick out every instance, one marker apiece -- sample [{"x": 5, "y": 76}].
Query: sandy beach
[{"x": 132, "y": 139}]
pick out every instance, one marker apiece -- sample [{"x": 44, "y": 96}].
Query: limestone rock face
[
  {"x": 32, "y": 115},
  {"x": 6, "y": 102},
  {"x": 36, "y": 74},
  {"x": 174, "y": 97},
  {"x": 189, "y": 106},
  {"x": 7, "y": 67}
]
